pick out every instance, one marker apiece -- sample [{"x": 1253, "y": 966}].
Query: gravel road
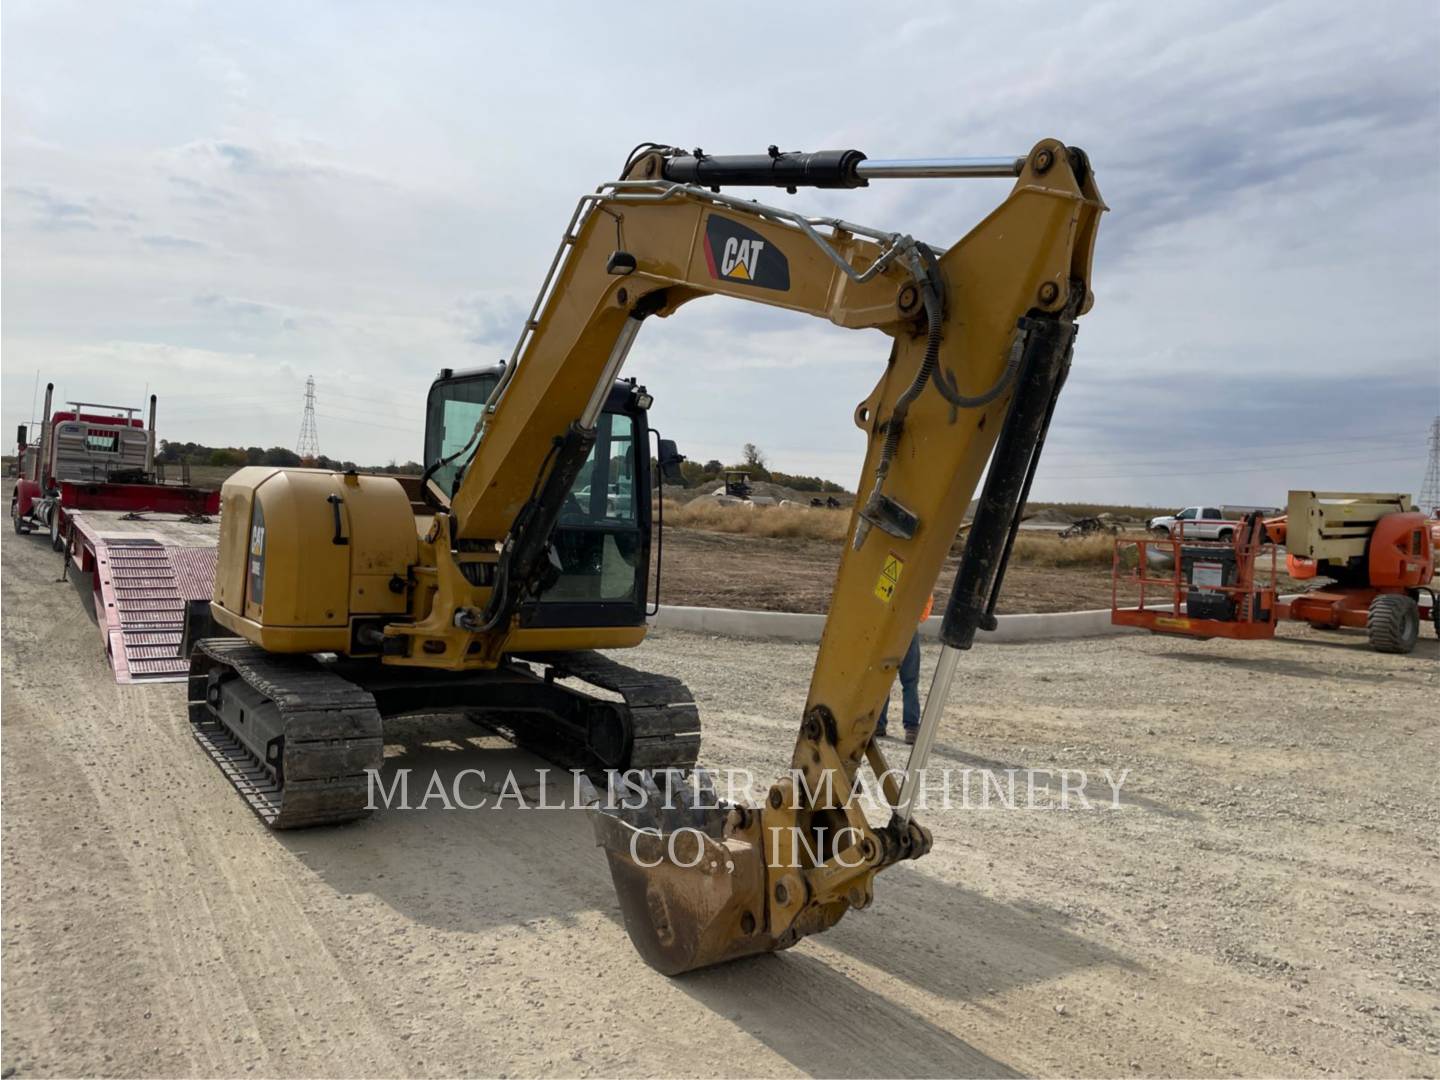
[{"x": 1264, "y": 901}]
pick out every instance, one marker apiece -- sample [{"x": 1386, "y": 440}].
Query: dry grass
[
  {"x": 203, "y": 476},
  {"x": 791, "y": 523},
  {"x": 1047, "y": 549},
  {"x": 1079, "y": 510},
  {"x": 776, "y": 522}
]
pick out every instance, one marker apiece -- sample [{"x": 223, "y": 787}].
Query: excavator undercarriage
[
  {"x": 489, "y": 587},
  {"x": 300, "y": 738}
]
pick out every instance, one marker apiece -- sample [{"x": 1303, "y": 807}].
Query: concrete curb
[
  {"x": 730, "y": 622},
  {"x": 734, "y": 622}
]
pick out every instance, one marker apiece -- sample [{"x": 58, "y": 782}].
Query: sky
[{"x": 212, "y": 202}]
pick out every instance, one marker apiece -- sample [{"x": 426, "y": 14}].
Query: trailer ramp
[{"x": 145, "y": 572}]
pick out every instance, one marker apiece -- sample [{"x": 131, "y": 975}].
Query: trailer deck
[{"x": 146, "y": 568}]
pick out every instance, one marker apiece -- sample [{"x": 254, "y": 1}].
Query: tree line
[
  {"x": 753, "y": 461},
  {"x": 192, "y": 453}
]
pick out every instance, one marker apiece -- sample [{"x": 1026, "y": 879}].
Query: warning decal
[
  {"x": 889, "y": 577},
  {"x": 1208, "y": 575}
]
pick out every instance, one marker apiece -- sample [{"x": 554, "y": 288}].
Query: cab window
[
  {"x": 598, "y": 534},
  {"x": 453, "y": 410}
]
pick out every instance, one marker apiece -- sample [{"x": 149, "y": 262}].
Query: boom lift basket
[{"x": 1212, "y": 588}]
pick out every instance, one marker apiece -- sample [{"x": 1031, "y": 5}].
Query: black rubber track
[
  {"x": 319, "y": 773},
  {"x": 664, "y": 721}
]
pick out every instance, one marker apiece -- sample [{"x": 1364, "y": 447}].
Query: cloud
[
  {"x": 494, "y": 321},
  {"x": 237, "y": 307},
  {"x": 284, "y": 205},
  {"x": 276, "y": 162},
  {"x": 54, "y": 213},
  {"x": 192, "y": 191},
  {"x": 166, "y": 242}
]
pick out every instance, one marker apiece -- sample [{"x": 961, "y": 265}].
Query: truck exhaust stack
[
  {"x": 44, "y": 448},
  {"x": 150, "y": 439}
]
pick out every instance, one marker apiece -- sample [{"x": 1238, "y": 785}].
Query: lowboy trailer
[{"x": 89, "y": 481}]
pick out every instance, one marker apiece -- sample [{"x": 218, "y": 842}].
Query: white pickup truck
[{"x": 1205, "y": 522}]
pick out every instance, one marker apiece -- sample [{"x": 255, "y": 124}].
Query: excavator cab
[{"x": 602, "y": 537}]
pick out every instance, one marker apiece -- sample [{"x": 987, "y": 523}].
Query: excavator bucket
[{"x": 692, "y": 893}]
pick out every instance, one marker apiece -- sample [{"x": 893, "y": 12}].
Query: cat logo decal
[{"x": 740, "y": 255}]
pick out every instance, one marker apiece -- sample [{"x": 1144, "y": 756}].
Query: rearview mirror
[
  {"x": 20, "y": 437},
  {"x": 670, "y": 458}
]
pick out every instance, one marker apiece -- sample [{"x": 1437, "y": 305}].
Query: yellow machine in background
[{"x": 527, "y": 545}]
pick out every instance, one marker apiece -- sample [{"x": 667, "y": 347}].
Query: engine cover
[{"x": 303, "y": 552}]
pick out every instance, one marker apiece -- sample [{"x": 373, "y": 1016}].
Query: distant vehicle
[
  {"x": 1206, "y": 522},
  {"x": 1087, "y": 526},
  {"x": 1372, "y": 553},
  {"x": 93, "y": 457},
  {"x": 737, "y": 484}
]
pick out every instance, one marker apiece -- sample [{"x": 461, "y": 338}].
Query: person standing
[{"x": 909, "y": 686}]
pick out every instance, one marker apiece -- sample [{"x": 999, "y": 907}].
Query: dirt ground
[
  {"x": 1264, "y": 902},
  {"x": 711, "y": 569}
]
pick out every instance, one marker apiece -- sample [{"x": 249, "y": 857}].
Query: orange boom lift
[{"x": 1377, "y": 551}]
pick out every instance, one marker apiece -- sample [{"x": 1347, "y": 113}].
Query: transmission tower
[
  {"x": 1430, "y": 490},
  {"x": 308, "y": 445}
]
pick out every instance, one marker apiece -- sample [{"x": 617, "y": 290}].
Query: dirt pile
[
  {"x": 764, "y": 489},
  {"x": 1050, "y": 516}
]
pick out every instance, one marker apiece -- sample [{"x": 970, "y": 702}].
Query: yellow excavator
[{"x": 492, "y": 584}]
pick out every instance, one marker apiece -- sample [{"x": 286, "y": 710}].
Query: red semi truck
[
  {"x": 148, "y": 547},
  {"x": 93, "y": 457}
]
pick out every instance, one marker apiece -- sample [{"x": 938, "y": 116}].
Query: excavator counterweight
[{"x": 488, "y": 585}]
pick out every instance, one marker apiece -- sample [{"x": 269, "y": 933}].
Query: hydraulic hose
[
  {"x": 945, "y": 382},
  {"x": 499, "y": 608},
  {"x": 932, "y": 297},
  {"x": 524, "y": 553},
  {"x": 440, "y": 463},
  {"x": 896, "y": 424}
]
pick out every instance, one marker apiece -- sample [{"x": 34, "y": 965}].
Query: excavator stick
[{"x": 701, "y": 882}]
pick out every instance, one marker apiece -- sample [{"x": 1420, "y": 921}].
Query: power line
[
  {"x": 364, "y": 422},
  {"x": 1338, "y": 457},
  {"x": 360, "y": 397},
  {"x": 1273, "y": 467},
  {"x": 359, "y": 411},
  {"x": 1258, "y": 453}
]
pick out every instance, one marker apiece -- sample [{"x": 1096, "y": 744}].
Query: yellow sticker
[
  {"x": 889, "y": 577},
  {"x": 1179, "y": 624}
]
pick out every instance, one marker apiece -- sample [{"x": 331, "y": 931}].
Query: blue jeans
[{"x": 909, "y": 689}]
